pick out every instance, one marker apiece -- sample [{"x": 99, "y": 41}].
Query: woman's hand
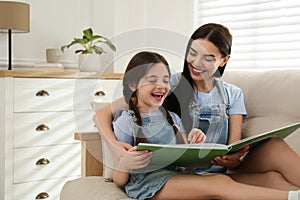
[
  {"x": 196, "y": 136},
  {"x": 133, "y": 159},
  {"x": 230, "y": 161}
]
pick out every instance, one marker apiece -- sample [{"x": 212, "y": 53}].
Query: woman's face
[
  {"x": 153, "y": 88},
  {"x": 203, "y": 60}
]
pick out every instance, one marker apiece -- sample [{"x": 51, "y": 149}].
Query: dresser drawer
[
  {"x": 103, "y": 91},
  {"x": 32, "y": 94},
  {"x": 38, "y": 95},
  {"x": 50, "y": 127},
  {"x": 47, "y": 162},
  {"x": 30, "y": 190},
  {"x": 36, "y": 129}
]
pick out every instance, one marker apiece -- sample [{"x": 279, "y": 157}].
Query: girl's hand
[
  {"x": 126, "y": 146},
  {"x": 230, "y": 161},
  {"x": 133, "y": 159},
  {"x": 196, "y": 136},
  {"x": 119, "y": 148}
]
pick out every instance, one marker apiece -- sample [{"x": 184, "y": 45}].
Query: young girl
[{"x": 145, "y": 87}]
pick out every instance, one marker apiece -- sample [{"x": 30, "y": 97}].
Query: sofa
[{"x": 272, "y": 99}]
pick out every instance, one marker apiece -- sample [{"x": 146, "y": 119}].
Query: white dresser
[{"x": 39, "y": 115}]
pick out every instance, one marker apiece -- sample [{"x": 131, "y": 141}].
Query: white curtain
[{"x": 266, "y": 33}]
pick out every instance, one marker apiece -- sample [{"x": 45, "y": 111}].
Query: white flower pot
[{"x": 90, "y": 63}]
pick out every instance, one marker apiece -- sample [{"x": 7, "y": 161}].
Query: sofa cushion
[{"x": 92, "y": 188}]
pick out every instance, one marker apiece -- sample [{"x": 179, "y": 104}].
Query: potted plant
[{"x": 90, "y": 49}]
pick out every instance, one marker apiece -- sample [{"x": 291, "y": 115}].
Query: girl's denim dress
[
  {"x": 144, "y": 183},
  {"x": 211, "y": 119}
]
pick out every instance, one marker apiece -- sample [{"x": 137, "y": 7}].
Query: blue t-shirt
[{"x": 235, "y": 96}]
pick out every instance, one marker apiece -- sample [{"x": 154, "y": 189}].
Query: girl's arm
[
  {"x": 103, "y": 120},
  {"x": 131, "y": 159},
  {"x": 196, "y": 136}
]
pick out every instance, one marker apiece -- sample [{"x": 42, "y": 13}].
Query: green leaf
[
  {"x": 88, "y": 41},
  {"x": 111, "y": 45},
  {"x": 98, "y": 50},
  {"x": 88, "y": 32}
]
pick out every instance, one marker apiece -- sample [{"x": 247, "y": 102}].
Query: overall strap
[{"x": 223, "y": 92}]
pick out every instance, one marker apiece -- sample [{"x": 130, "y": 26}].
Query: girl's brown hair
[{"x": 136, "y": 69}]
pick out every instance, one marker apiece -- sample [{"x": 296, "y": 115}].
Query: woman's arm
[
  {"x": 120, "y": 177},
  {"x": 103, "y": 120},
  {"x": 235, "y": 123},
  {"x": 235, "y": 133}
]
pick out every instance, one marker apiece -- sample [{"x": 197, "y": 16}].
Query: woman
[{"x": 195, "y": 91}]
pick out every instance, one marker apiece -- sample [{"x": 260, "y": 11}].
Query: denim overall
[
  {"x": 144, "y": 183},
  {"x": 213, "y": 121}
]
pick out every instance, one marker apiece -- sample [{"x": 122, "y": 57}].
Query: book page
[
  {"x": 184, "y": 146},
  {"x": 256, "y": 139}
]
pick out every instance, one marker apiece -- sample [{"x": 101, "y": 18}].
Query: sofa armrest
[{"x": 91, "y": 153}]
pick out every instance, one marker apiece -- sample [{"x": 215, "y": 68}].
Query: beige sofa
[{"x": 272, "y": 99}]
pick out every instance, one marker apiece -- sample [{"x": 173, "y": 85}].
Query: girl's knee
[
  {"x": 274, "y": 176},
  {"x": 223, "y": 179},
  {"x": 275, "y": 142}
]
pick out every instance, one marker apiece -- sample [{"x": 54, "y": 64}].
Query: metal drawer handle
[
  {"x": 42, "y": 127},
  {"x": 42, "y": 93},
  {"x": 100, "y": 93},
  {"x": 42, "y": 161},
  {"x": 42, "y": 195}
]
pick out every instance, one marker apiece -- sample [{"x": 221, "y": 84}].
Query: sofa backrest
[{"x": 272, "y": 99}]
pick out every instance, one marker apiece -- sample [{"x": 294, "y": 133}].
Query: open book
[{"x": 200, "y": 155}]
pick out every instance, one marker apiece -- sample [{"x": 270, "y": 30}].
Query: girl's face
[
  {"x": 153, "y": 88},
  {"x": 203, "y": 60}
]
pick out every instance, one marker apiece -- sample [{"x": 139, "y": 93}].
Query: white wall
[
  {"x": 159, "y": 25},
  {"x": 129, "y": 23}
]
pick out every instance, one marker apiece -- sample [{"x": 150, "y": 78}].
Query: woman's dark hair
[
  {"x": 178, "y": 101},
  {"x": 137, "y": 69}
]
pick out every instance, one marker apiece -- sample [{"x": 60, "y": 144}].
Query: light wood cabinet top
[{"x": 47, "y": 74}]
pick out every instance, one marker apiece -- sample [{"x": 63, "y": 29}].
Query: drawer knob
[
  {"x": 42, "y": 93},
  {"x": 42, "y": 127},
  {"x": 100, "y": 93},
  {"x": 42, "y": 195},
  {"x": 42, "y": 161}
]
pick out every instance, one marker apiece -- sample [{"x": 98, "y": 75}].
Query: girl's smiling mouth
[{"x": 158, "y": 96}]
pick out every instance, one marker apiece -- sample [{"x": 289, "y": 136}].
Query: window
[{"x": 266, "y": 33}]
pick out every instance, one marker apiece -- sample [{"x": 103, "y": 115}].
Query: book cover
[
  {"x": 200, "y": 155},
  {"x": 185, "y": 155}
]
